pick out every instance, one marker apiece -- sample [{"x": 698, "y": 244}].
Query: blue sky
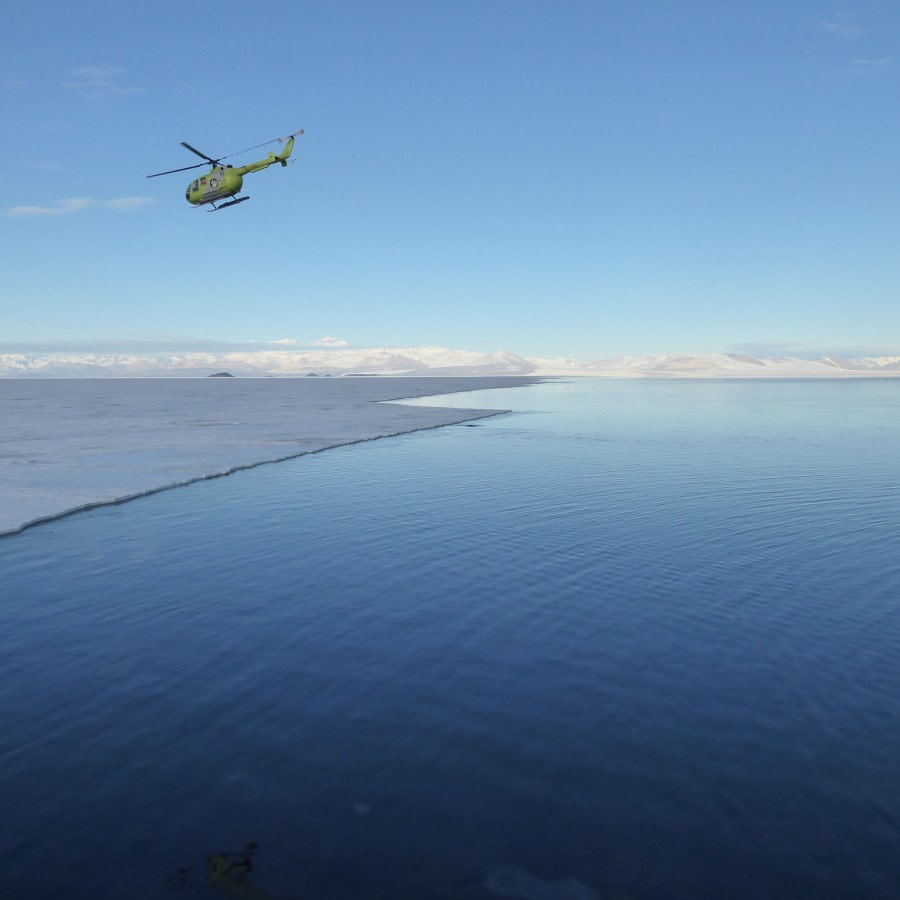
[{"x": 559, "y": 178}]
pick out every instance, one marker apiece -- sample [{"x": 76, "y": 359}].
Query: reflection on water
[{"x": 634, "y": 640}]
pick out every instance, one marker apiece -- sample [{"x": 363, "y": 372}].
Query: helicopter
[{"x": 222, "y": 182}]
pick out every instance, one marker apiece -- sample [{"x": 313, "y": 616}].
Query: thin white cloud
[
  {"x": 72, "y": 205},
  {"x": 100, "y": 81},
  {"x": 844, "y": 32},
  {"x": 128, "y": 204},
  {"x": 841, "y": 25},
  {"x": 876, "y": 64},
  {"x": 15, "y": 84},
  {"x": 63, "y": 208},
  {"x": 287, "y": 342},
  {"x": 330, "y": 342}
]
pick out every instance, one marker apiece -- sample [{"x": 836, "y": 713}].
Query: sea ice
[{"x": 67, "y": 444}]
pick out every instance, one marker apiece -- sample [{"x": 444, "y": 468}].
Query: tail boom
[{"x": 271, "y": 159}]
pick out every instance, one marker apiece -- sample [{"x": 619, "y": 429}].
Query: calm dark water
[{"x": 634, "y": 640}]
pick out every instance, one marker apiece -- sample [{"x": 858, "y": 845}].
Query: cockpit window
[{"x": 194, "y": 186}]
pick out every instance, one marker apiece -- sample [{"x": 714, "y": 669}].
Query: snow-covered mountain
[
  {"x": 295, "y": 362},
  {"x": 721, "y": 365}
]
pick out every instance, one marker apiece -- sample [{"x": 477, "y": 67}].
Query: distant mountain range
[
  {"x": 428, "y": 361},
  {"x": 721, "y": 365}
]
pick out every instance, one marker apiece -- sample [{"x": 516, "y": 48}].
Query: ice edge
[{"x": 466, "y": 415}]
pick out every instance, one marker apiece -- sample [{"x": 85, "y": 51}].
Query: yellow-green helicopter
[{"x": 222, "y": 182}]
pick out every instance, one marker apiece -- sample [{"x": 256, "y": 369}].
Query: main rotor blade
[
  {"x": 201, "y": 155},
  {"x": 171, "y": 171},
  {"x": 248, "y": 149},
  {"x": 215, "y": 162},
  {"x": 279, "y": 140}
]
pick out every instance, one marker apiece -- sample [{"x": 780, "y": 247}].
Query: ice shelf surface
[{"x": 67, "y": 444}]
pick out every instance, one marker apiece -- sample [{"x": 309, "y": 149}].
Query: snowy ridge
[
  {"x": 415, "y": 361},
  {"x": 431, "y": 361},
  {"x": 721, "y": 365}
]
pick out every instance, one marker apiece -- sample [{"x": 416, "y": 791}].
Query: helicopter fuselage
[{"x": 217, "y": 184}]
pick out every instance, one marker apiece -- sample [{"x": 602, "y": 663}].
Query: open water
[{"x": 633, "y": 640}]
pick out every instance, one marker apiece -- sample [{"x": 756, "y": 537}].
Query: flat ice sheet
[{"x": 67, "y": 444}]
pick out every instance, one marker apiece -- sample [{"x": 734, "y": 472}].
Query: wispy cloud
[
  {"x": 71, "y": 205},
  {"x": 62, "y": 208},
  {"x": 14, "y": 84},
  {"x": 841, "y": 25},
  {"x": 100, "y": 81},
  {"x": 844, "y": 35},
  {"x": 874, "y": 64},
  {"x": 329, "y": 342},
  {"x": 129, "y": 204},
  {"x": 287, "y": 342},
  {"x": 157, "y": 343},
  {"x": 36, "y": 166}
]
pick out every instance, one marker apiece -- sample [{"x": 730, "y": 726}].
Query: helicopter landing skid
[{"x": 226, "y": 205}]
